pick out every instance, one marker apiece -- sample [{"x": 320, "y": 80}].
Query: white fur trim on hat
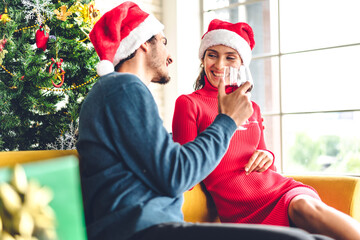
[
  {"x": 229, "y": 39},
  {"x": 148, "y": 28},
  {"x": 104, "y": 67}
]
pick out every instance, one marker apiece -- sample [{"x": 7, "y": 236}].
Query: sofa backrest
[
  {"x": 340, "y": 192},
  {"x": 21, "y": 157},
  {"x": 198, "y": 205}
]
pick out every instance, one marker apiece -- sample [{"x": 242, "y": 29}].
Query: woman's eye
[{"x": 212, "y": 55}]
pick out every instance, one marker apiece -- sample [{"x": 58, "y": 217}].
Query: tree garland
[
  {"x": 62, "y": 14},
  {"x": 56, "y": 90}
]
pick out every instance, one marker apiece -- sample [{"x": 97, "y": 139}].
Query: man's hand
[
  {"x": 237, "y": 104},
  {"x": 260, "y": 161}
]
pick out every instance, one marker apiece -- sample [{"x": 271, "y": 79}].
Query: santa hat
[
  {"x": 121, "y": 31},
  {"x": 238, "y": 36}
]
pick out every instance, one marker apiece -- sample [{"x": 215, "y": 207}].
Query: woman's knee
[{"x": 306, "y": 207}]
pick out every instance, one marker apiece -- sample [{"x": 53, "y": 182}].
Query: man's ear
[{"x": 145, "y": 46}]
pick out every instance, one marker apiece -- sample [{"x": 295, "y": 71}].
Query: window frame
[{"x": 279, "y": 55}]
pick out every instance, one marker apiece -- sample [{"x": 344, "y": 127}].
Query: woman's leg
[{"x": 315, "y": 216}]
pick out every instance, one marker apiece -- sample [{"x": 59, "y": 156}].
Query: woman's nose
[{"x": 219, "y": 64}]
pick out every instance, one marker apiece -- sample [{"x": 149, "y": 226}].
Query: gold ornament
[
  {"x": 46, "y": 28},
  {"x": 2, "y": 55},
  {"x": 4, "y": 18},
  {"x": 63, "y": 13},
  {"x": 24, "y": 209},
  {"x": 19, "y": 180},
  {"x": 87, "y": 14},
  {"x": 94, "y": 14},
  {"x": 10, "y": 199}
]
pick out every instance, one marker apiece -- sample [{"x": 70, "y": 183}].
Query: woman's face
[{"x": 216, "y": 58}]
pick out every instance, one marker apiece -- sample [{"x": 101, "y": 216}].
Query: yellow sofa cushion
[
  {"x": 198, "y": 206},
  {"x": 342, "y": 193}
]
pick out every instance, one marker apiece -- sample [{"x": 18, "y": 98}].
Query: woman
[{"x": 245, "y": 186}]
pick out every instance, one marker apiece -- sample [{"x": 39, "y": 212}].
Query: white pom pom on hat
[
  {"x": 238, "y": 36},
  {"x": 121, "y": 31},
  {"x": 104, "y": 67}
]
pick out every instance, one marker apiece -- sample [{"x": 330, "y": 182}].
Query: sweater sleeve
[{"x": 148, "y": 149}]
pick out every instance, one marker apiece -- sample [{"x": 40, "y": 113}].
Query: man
[{"x": 133, "y": 175}]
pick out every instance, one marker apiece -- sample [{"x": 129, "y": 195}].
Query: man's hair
[{"x": 150, "y": 40}]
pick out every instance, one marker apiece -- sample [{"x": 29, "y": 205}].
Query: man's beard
[
  {"x": 161, "y": 79},
  {"x": 160, "y": 76}
]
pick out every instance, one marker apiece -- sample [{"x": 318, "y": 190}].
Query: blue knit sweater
[{"x": 133, "y": 175}]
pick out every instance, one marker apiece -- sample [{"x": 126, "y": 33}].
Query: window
[{"x": 307, "y": 78}]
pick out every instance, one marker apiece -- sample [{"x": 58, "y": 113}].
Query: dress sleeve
[
  {"x": 184, "y": 127},
  {"x": 262, "y": 145}
]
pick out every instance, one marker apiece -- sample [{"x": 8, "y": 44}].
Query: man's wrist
[{"x": 230, "y": 123}]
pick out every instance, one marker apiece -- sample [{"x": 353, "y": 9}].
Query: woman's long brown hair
[{"x": 200, "y": 80}]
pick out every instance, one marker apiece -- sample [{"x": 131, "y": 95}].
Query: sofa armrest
[{"x": 340, "y": 192}]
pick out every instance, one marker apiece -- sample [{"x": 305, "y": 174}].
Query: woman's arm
[
  {"x": 262, "y": 159},
  {"x": 184, "y": 125}
]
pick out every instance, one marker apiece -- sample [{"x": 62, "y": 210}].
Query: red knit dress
[{"x": 261, "y": 198}]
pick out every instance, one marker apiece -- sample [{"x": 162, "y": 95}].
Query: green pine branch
[{"x": 31, "y": 117}]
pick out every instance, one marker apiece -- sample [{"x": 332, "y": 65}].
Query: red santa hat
[
  {"x": 238, "y": 36},
  {"x": 121, "y": 31}
]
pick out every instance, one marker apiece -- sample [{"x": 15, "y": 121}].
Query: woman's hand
[{"x": 260, "y": 161}]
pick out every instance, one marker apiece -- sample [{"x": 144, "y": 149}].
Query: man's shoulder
[
  {"x": 119, "y": 79},
  {"x": 115, "y": 83}
]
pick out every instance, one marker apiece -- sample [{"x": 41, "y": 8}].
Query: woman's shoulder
[
  {"x": 189, "y": 101},
  {"x": 255, "y": 106},
  {"x": 191, "y": 97}
]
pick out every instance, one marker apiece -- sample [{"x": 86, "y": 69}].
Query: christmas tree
[{"x": 47, "y": 66}]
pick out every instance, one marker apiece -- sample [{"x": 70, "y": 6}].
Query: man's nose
[{"x": 169, "y": 60}]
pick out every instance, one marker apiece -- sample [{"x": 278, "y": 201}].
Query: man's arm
[{"x": 165, "y": 166}]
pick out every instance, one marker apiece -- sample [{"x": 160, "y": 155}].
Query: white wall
[
  {"x": 147, "y": 5},
  {"x": 182, "y": 22},
  {"x": 182, "y": 28}
]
